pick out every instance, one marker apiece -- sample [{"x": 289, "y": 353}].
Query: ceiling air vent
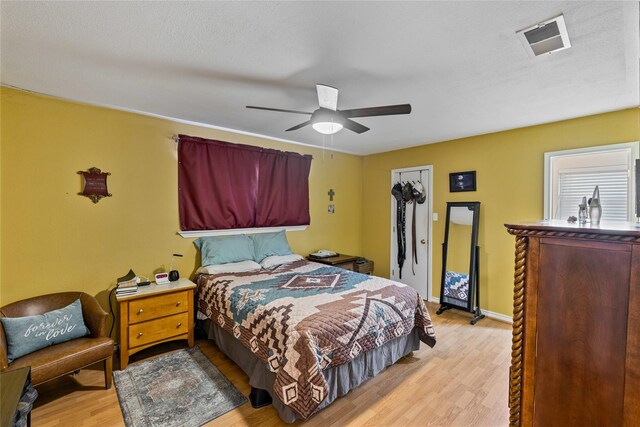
[{"x": 546, "y": 37}]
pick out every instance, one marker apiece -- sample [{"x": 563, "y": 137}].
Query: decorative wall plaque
[{"x": 94, "y": 184}]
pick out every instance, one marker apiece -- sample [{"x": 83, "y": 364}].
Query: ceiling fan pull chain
[{"x": 331, "y": 146}]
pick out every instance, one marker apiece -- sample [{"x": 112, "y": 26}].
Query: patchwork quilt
[
  {"x": 456, "y": 288},
  {"x": 302, "y": 318}
]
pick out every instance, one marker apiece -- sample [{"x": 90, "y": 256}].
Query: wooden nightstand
[
  {"x": 155, "y": 314},
  {"x": 348, "y": 262}
]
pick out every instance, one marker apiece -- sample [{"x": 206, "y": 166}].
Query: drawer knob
[
  {"x": 139, "y": 334},
  {"x": 179, "y": 324},
  {"x": 140, "y": 311},
  {"x": 178, "y": 303}
]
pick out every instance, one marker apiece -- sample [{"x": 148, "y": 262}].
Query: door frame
[{"x": 429, "y": 170}]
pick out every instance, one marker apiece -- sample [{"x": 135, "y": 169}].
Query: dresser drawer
[
  {"x": 144, "y": 309},
  {"x": 159, "y": 329}
]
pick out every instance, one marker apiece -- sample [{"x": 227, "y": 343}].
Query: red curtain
[
  {"x": 217, "y": 184},
  {"x": 283, "y": 189},
  {"x": 223, "y": 185}
]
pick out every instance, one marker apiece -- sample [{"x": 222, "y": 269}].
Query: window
[
  {"x": 571, "y": 175},
  {"x": 225, "y": 186}
]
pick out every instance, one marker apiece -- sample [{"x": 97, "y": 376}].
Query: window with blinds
[
  {"x": 570, "y": 175},
  {"x": 614, "y": 190}
]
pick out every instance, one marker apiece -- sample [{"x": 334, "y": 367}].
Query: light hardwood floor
[{"x": 462, "y": 381}]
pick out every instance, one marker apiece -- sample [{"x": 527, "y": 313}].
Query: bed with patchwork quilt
[{"x": 309, "y": 325}]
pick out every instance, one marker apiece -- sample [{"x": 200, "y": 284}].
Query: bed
[{"x": 307, "y": 333}]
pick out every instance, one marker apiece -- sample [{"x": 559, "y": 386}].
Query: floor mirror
[{"x": 459, "y": 287}]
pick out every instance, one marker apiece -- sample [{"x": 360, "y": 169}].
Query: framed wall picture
[{"x": 462, "y": 181}]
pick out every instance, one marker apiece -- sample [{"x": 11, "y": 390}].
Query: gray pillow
[
  {"x": 224, "y": 249},
  {"x": 270, "y": 244},
  {"x": 28, "y": 334}
]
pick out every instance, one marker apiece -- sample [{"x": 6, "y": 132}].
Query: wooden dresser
[
  {"x": 576, "y": 325},
  {"x": 155, "y": 314}
]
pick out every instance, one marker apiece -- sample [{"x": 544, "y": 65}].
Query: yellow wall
[
  {"x": 55, "y": 240},
  {"x": 509, "y": 169},
  {"x": 52, "y": 239}
]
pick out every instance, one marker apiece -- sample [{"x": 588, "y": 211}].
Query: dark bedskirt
[{"x": 340, "y": 379}]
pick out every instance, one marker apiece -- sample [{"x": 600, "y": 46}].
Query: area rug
[{"x": 182, "y": 388}]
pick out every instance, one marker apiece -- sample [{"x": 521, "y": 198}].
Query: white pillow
[
  {"x": 275, "y": 260},
  {"x": 230, "y": 267}
]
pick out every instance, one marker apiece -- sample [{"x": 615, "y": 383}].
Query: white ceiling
[{"x": 459, "y": 64}]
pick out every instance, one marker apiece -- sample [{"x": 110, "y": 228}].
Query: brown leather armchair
[{"x": 67, "y": 357}]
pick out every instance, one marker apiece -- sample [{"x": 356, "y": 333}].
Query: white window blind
[{"x": 614, "y": 190}]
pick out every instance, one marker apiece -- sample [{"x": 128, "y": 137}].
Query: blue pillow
[
  {"x": 224, "y": 249},
  {"x": 28, "y": 334},
  {"x": 270, "y": 244}
]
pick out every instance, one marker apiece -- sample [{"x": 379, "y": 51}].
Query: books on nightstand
[
  {"x": 127, "y": 285},
  {"x": 126, "y": 290}
]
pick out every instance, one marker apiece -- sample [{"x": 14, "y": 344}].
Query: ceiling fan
[{"x": 328, "y": 119}]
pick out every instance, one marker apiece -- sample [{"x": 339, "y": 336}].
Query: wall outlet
[{"x": 435, "y": 216}]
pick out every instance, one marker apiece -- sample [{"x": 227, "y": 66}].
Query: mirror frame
[{"x": 473, "y": 258}]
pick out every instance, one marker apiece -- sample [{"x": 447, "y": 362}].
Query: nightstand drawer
[
  {"x": 346, "y": 266},
  {"x": 159, "y": 329},
  {"x": 158, "y": 306}
]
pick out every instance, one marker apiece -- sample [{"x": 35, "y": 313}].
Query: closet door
[{"x": 582, "y": 312}]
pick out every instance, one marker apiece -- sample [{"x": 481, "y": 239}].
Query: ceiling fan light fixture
[
  {"x": 326, "y": 122},
  {"x": 327, "y": 128}
]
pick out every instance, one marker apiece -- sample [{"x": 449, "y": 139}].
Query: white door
[{"x": 415, "y": 274}]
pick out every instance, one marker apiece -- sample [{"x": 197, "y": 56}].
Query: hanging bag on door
[
  {"x": 407, "y": 196},
  {"x": 418, "y": 196},
  {"x": 397, "y": 192}
]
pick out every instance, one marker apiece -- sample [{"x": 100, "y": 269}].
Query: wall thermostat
[{"x": 162, "y": 278}]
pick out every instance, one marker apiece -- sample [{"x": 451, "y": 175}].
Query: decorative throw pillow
[
  {"x": 270, "y": 244},
  {"x": 224, "y": 249},
  {"x": 28, "y": 334}
]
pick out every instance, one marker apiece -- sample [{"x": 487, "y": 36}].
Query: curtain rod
[{"x": 176, "y": 139}]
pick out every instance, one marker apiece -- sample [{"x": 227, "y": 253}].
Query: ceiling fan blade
[
  {"x": 354, "y": 126},
  {"x": 278, "y": 109},
  {"x": 301, "y": 125},
  {"x": 327, "y": 97},
  {"x": 387, "y": 110}
]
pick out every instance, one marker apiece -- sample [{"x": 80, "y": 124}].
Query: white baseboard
[{"x": 490, "y": 314}]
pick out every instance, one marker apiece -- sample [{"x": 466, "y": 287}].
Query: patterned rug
[{"x": 181, "y": 388}]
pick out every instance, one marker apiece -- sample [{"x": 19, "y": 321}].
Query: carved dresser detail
[{"x": 575, "y": 357}]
